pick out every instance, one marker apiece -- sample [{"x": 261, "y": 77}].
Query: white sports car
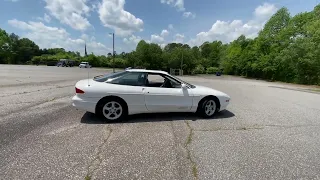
[{"x": 135, "y": 91}]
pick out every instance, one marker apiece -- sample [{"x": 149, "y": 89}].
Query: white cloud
[
  {"x": 53, "y": 37},
  {"x": 159, "y": 39},
  {"x": 132, "y": 40},
  {"x": 179, "y": 38},
  {"x": 84, "y": 37},
  {"x": 40, "y": 29},
  {"x": 164, "y": 33},
  {"x": 162, "y": 45},
  {"x": 178, "y": 4},
  {"x": 227, "y": 31},
  {"x": 45, "y": 18},
  {"x": 72, "y": 12},
  {"x": 266, "y": 10},
  {"x": 189, "y": 15},
  {"x": 170, "y": 26},
  {"x": 113, "y": 15},
  {"x": 94, "y": 5},
  {"x": 156, "y": 38}
]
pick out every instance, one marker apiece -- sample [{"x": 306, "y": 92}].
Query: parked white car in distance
[
  {"x": 134, "y": 91},
  {"x": 84, "y": 65}
]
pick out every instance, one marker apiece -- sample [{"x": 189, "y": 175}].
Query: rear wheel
[
  {"x": 112, "y": 110},
  {"x": 208, "y": 107}
]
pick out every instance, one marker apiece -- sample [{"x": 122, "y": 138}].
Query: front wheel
[
  {"x": 112, "y": 110},
  {"x": 208, "y": 108}
]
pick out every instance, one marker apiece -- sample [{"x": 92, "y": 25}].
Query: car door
[
  {"x": 130, "y": 87},
  {"x": 166, "y": 99}
]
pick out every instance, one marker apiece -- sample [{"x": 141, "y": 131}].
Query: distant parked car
[
  {"x": 49, "y": 63},
  {"x": 65, "y": 63},
  {"x": 84, "y": 65}
]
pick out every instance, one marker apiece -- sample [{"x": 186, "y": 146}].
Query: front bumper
[
  {"x": 224, "y": 102},
  {"x": 83, "y": 104},
  {"x": 223, "y": 107}
]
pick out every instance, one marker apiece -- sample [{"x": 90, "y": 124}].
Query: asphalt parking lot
[{"x": 269, "y": 131}]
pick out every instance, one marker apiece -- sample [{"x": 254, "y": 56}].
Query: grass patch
[
  {"x": 316, "y": 90},
  {"x": 195, "y": 171},
  {"x": 189, "y": 139},
  {"x": 188, "y": 142},
  {"x": 87, "y": 177},
  {"x": 52, "y": 99}
]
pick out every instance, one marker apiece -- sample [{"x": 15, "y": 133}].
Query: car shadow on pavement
[{"x": 90, "y": 118}]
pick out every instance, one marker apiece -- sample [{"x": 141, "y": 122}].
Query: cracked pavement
[{"x": 265, "y": 133}]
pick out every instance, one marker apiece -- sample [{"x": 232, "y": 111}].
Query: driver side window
[
  {"x": 161, "y": 81},
  {"x": 130, "y": 79}
]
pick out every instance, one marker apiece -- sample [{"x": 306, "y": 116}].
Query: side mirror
[{"x": 184, "y": 86}]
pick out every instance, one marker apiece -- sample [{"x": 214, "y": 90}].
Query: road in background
[{"x": 269, "y": 131}]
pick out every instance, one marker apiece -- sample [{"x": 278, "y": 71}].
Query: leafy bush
[
  {"x": 212, "y": 70},
  {"x": 36, "y": 60},
  {"x": 198, "y": 70}
]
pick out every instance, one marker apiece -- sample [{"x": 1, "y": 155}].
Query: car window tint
[
  {"x": 130, "y": 79},
  {"x": 162, "y": 81},
  {"x": 174, "y": 83},
  {"x": 155, "y": 78}
]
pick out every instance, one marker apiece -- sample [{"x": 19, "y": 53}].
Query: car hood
[{"x": 205, "y": 91}]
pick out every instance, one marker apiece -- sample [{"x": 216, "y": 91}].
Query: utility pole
[
  {"x": 113, "y": 51},
  {"x": 181, "y": 63},
  {"x": 85, "y": 49}
]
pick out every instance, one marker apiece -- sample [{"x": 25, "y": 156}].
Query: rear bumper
[{"x": 83, "y": 104}]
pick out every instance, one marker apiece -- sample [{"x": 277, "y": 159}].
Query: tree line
[{"x": 286, "y": 49}]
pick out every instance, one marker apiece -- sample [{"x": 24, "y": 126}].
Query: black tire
[
  {"x": 119, "y": 104},
  {"x": 203, "y": 111}
]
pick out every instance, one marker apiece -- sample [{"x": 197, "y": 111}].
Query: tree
[
  {"x": 4, "y": 46},
  {"x": 26, "y": 50}
]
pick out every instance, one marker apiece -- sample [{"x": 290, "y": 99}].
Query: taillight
[{"x": 79, "y": 91}]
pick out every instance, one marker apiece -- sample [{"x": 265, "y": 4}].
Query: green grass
[
  {"x": 195, "y": 171},
  {"x": 316, "y": 90}
]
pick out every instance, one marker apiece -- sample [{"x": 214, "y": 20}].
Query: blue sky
[{"x": 71, "y": 23}]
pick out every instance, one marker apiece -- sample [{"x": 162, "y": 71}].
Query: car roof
[{"x": 147, "y": 71}]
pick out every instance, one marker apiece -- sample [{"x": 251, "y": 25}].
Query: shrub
[
  {"x": 36, "y": 60},
  {"x": 198, "y": 70},
  {"x": 212, "y": 70}
]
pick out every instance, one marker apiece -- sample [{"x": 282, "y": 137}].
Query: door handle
[{"x": 143, "y": 89}]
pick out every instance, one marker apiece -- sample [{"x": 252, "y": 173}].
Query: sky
[{"x": 71, "y": 24}]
